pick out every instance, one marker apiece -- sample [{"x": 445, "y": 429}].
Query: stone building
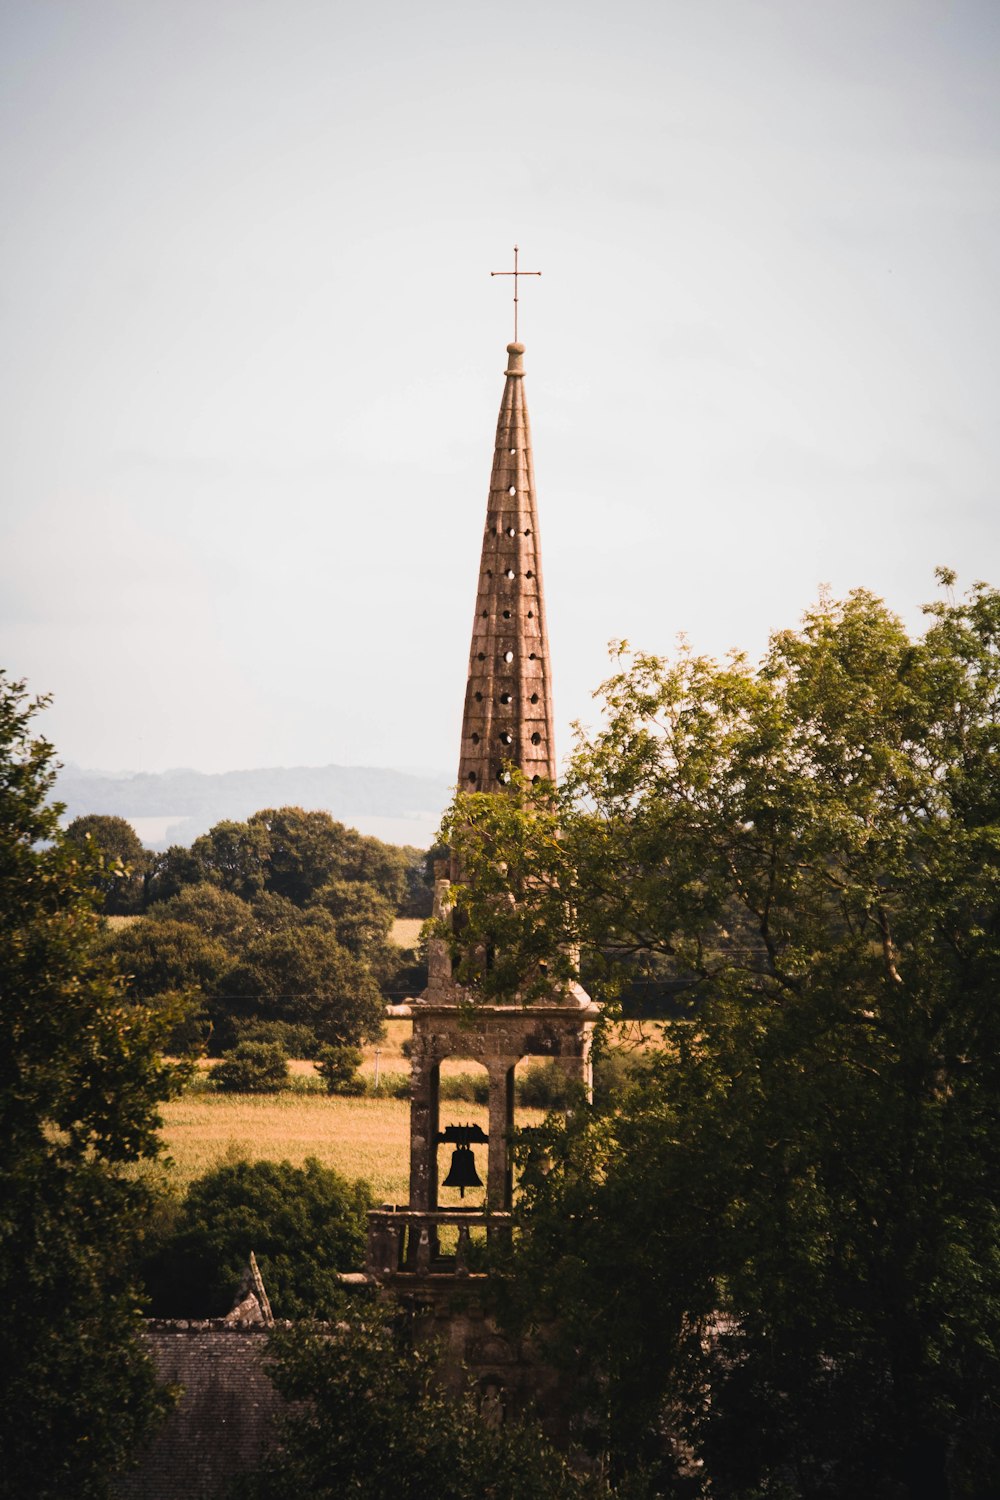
[{"x": 421, "y": 1253}]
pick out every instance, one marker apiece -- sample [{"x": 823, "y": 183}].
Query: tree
[
  {"x": 797, "y": 1210},
  {"x": 370, "y": 1419},
  {"x": 362, "y": 915},
  {"x": 126, "y": 864},
  {"x": 303, "y": 975},
  {"x": 338, "y": 1068},
  {"x": 252, "y": 1067},
  {"x": 171, "y": 871},
  {"x": 304, "y": 1225},
  {"x": 160, "y": 954},
  {"x": 304, "y": 850},
  {"x": 80, "y": 1077},
  {"x": 216, "y": 913},
  {"x": 234, "y": 856}
]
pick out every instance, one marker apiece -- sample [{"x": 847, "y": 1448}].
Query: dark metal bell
[{"x": 462, "y": 1173}]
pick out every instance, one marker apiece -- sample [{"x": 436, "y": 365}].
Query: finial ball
[{"x": 515, "y": 348}]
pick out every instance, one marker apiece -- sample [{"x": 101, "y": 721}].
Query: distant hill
[{"x": 174, "y": 807}]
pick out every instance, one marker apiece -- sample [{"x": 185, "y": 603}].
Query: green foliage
[
  {"x": 243, "y": 964},
  {"x": 252, "y": 1068},
  {"x": 159, "y": 954},
  {"x": 234, "y": 856},
  {"x": 473, "y": 1088},
  {"x": 120, "y": 876},
  {"x": 362, "y": 914},
  {"x": 796, "y": 1208},
  {"x": 419, "y": 898},
  {"x": 614, "y": 1071},
  {"x": 309, "y": 850},
  {"x": 338, "y": 1068},
  {"x": 291, "y": 853},
  {"x": 80, "y": 1078},
  {"x": 304, "y": 1225},
  {"x": 544, "y": 1085},
  {"x": 370, "y": 1420},
  {"x": 171, "y": 871},
  {"x": 541, "y": 1085},
  {"x": 215, "y": 912},
  {"x": 303, "y": 975},
  {"x": 392, "y": 1086},
  {"x": 295, "y": 1041}
]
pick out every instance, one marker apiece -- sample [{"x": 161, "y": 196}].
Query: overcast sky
[{"x": 252, "y": 355}]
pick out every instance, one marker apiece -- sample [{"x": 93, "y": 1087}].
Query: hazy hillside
[{"x": 174, "y": 807}]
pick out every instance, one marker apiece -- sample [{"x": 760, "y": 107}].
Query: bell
[{"x": 462, "y": 1173}]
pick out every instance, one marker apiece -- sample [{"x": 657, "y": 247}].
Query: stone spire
[{"x": 508, "y": 698}]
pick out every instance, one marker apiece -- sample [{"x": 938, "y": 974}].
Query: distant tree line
[
  {"x": 286, "y": 851},
  {"x": 277, "y": 929}
]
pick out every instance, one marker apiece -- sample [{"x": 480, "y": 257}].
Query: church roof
[{"x": 508, "y": 697}]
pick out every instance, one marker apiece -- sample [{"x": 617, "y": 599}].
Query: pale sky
[{"x": 251, "y": 355}]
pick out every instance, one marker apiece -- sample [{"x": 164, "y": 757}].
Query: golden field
[{"x": 365, "y": 1137}]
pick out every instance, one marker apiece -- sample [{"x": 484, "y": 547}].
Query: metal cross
[{"x": 515, "y": 273}]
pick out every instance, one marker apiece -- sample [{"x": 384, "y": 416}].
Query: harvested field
[{"x": 367, "y": 1138}]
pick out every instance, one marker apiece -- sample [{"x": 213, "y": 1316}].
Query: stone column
[
  {"x": 424, "y": 1077},
  {"x": 500, "y": 1181},
  {"x": 580, "y": 1068}
]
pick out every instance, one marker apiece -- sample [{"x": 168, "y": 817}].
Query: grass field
[
  {"x": 367, "y": 1137},
  {"x": 359, "y": 1137}
]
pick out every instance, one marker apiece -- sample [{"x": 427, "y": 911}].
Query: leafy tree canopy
[
  {"x": 797, "y": 1211},
  {"x": 252, "y": 1067},
  {"x": 217, "y": 913},
  {"x": 370, "y": 1419},
  {"x": 306, "y": 850},
  {"x": 304, "y": 1224},
  {"x": 120, "y": 875},
  {"x": 159, "y": 955},
  {"x": 362, "y": 915},
  {"x": 290, "y": 853},
  {"x": 303, "y": 975},
  {"x": 80, "y": 1078}
]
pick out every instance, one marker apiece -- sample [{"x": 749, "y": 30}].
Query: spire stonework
[
  {"x": 507, "y": 722},
  {"x": 508, "y": 697}
]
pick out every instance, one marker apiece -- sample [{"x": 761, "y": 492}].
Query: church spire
[{"x": 508, "y": 701}]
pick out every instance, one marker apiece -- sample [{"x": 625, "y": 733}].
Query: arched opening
[
  {"x": 543, "y": 1084},
  {"x": 463, "y": 1104}
]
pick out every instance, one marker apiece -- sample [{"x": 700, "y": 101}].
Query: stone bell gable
[{"x": 422, "y": 1253}]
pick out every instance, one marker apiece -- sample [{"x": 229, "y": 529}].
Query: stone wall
[{"x": 224, "y": 1419}]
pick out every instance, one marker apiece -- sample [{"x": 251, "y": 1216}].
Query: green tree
[
  {"x": 370, "y": 1419},
  {"x": 304, "y": 850},
  {"x": 304, "y": 1225},
  {"x": 234, "y": 856},
  {"x": 307, "y": 850},
  {"x": 216, "y": 913},
  {"x": 797, "y": 1209},
  {"x": 303, "y": 975},
  {"x": 252, "y": 1067},
  {"x": 338, "y": 1068},
  {"x": 80, "y": 1077},
  {"x": 362, "y": 915},
  {"x": 171, "y": 871},
  {"x": 159, "y": 955},
  {"x": 125, "y": 866}
]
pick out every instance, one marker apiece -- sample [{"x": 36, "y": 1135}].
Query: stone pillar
[
  {"x": 439, "y": 981},
  {"x": 425, "y": 1072},
  {"x": 579, "y": 1068},
  {"x": 500, "y": 1179}
]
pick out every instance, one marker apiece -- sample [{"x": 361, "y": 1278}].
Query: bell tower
[{"x": 423, "y": 1249}]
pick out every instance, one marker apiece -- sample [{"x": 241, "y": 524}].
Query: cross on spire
[{"x": 515, "y": 273}]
